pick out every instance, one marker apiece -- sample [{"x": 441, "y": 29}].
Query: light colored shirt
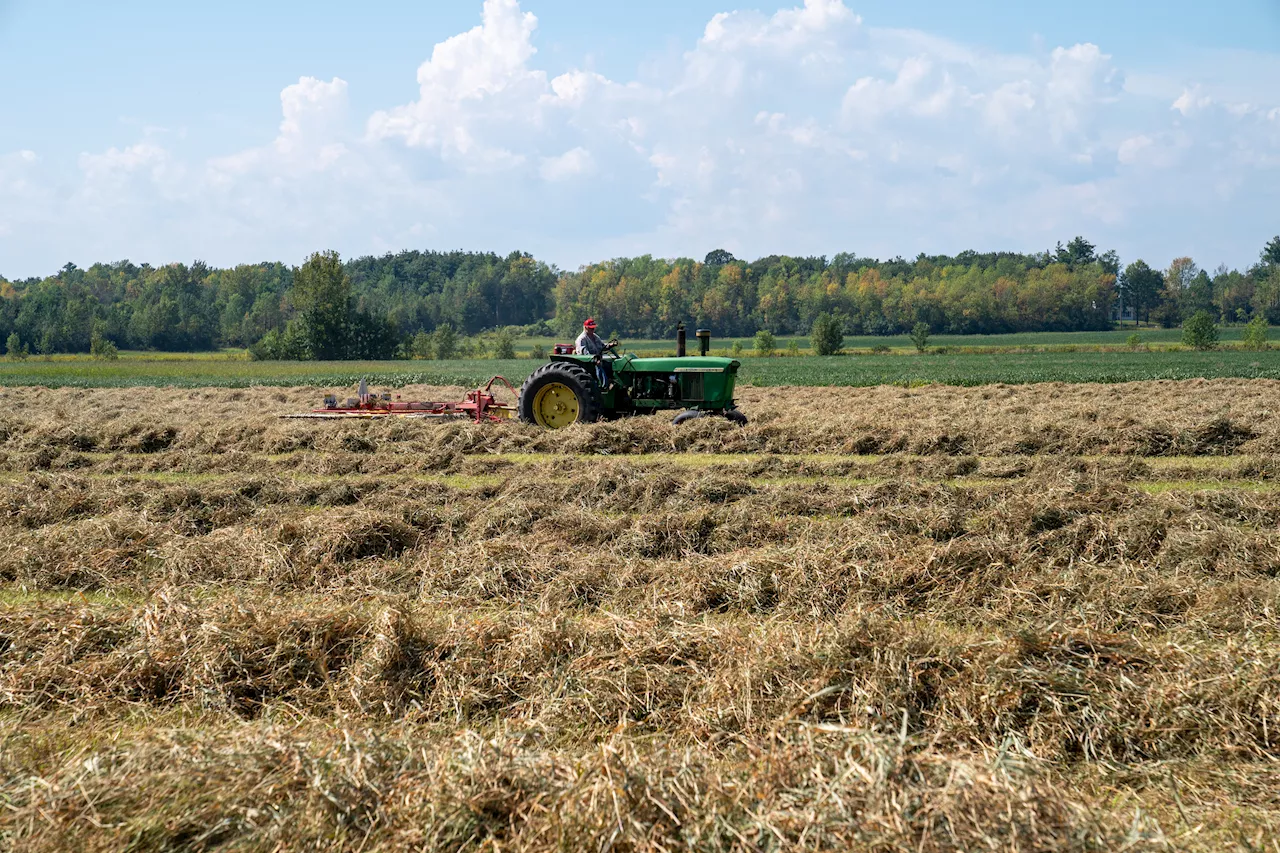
[{"x": 589, "y": 343}]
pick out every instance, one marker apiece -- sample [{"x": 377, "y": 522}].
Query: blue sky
[{"x": 242, "y": 131}]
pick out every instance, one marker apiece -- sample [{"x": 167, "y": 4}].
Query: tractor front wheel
[
  {"x": 559, "y": 394},
  {"x": 732, "y": 415}
]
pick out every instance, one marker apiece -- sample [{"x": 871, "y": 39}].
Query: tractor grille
[{"x": 692, "y": 389}]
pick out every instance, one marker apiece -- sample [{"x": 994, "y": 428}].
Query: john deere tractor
[{"x": 566, "y": 390}]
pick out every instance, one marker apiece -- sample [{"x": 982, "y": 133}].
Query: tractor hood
[{"x": 688, "y": 364}]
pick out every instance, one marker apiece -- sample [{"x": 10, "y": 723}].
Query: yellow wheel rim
[{"x": 555, "y": 405}]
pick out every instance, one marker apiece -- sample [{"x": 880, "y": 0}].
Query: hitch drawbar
[{"x": 480, "y": 406}]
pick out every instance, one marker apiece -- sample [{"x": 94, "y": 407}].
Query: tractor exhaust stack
[{"x": 680, "y": 348}]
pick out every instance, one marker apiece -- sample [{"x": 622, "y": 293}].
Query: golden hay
[{"x": 940, "y": 619}]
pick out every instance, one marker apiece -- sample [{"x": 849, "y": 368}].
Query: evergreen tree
[
  {"x": 1141, "y": 286},
  {"x": 1271, "y": 252}
]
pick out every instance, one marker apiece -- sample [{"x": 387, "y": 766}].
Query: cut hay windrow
[
  {"x": 813, "y": 788},
  {"x": 1062, "y": 695},
  {"x": 1011, "y": 547},
  {"x": 42, "y": 428}
]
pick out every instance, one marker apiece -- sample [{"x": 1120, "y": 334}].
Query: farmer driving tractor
[{"x": 589, "y": 343}]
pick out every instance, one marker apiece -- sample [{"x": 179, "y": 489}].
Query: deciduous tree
[
  {"x": 14, "y": 348},
  {"x": 1255, "y": 333},
  {"x": 920, "y": 336},
  {"x": 322, "y": 296},
  {"x": 445, "y": 342},
  {"x": 827, "y": 337},
  {"x": 1200, "y": 332}
]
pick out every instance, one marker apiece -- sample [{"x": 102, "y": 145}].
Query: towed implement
[
  {"x": 479, "y": 405},
  {"x": 568, "y": 389}
]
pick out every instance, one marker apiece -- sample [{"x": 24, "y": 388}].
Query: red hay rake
[{"x": 480, "y": 406}]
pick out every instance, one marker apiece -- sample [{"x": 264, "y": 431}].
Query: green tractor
[{"x": 567, "y": 391}]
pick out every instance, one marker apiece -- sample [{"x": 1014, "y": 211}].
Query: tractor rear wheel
[
  {"x": 735, "y": 417},
  {"x": 559, "y": 394},
  {"x": 686, "y": 415}
]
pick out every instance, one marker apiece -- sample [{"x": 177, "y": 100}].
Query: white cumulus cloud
[
  {"x": 1131, "y": 149},
  {"x": 472, "y": 87},
  {"x": 570, "y": 164},
  {"x": 800, "y": 129}
]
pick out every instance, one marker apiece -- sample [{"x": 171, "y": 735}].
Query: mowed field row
[
  {"x": 1028, "y": 618},
  {"x": 908, "y": 370},
  {"x": 212, "y": 429}
]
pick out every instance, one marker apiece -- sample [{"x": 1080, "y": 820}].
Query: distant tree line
[
  {"x": 1169, "y": 297},
  {"x": 378, "y": 307},
  {"x": 1069, "y": 288},
  {"x": 185, "y": 308},
  {"x": 1066, "y": 290}
]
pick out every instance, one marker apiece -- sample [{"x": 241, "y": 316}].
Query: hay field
[{"x": 1002, "y": 618}]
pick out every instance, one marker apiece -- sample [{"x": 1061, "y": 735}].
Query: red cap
[{"x": 589, "y": 324}]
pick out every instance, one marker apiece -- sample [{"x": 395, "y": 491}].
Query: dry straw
[{"x": 1013, "y": 628}]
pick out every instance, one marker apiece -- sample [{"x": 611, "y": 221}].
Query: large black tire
[
  {"x": 735, "y": 417},
  {"x": 686, "y": 415},
  {"x": 572, "y": 376}
]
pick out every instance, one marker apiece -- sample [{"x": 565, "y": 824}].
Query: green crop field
[
  {"x": 1151, "y": 337},
  {"x": 1011, "y": 368},
  {"x": 948, "y": 368}
]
